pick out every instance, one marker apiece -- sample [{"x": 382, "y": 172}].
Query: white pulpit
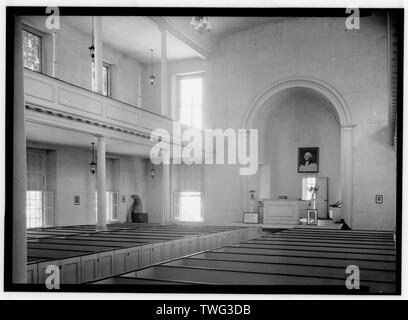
[{"x": 283, "y": 211}]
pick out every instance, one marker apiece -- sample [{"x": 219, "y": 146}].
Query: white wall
[
  {"x": 72, "y": 178},
  {"x": 354, "y": 62},
  {"x": 155, "y": 193},
  {"x": 74, "y": 61}
]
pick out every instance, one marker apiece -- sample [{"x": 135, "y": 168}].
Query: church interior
[{"x": 313, "y": 98}]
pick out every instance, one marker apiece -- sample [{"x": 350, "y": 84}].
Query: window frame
[
  {"x": 177, "y": 92},
  {"x": 175, "y": 201},
  {"x": 306, "y": 194},
  {"x": 108, "y": 67},
  {"x": 40, "y": 35},
  {"x": 177, "y": 206},
  {"x": 45, "y": 194},
  {"x": 109, "y": 208}
]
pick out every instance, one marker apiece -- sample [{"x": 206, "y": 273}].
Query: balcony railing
[{"x": 58, "y": 96}]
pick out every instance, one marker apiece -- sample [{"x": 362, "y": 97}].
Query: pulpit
[{"x": 283, "y": 211}]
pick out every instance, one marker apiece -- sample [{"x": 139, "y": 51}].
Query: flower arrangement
[{"x": 314, "y": 190}]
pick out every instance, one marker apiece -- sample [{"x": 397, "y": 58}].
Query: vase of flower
[
  {"x": 253, "y": 203},
  {"x": 314, "y": 190}
]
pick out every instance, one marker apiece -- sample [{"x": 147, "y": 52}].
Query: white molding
[{"x": 318, "y": 85}]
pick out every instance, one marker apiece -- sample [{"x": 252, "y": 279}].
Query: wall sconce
[
  {"x": 152, "y": 172},
  {"x": 92, "y": 165}
]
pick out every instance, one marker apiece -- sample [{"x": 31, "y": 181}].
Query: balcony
[{"x": 51, "y": 101}]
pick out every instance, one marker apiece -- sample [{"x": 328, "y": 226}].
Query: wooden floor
[
  {"x": 293, "y": 257},
  {"x": 83, "y": 255}
]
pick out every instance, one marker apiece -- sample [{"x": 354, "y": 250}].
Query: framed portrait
[{"x": 308, "y": 160}]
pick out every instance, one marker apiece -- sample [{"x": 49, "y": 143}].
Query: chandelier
[{"x": 200, "y": 24}]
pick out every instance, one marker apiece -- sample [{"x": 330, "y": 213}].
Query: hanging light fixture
[
  {"x": 92, "y": 165},
  {"x": 152, "y": 78},
  {"x": 200, "y": 24}
]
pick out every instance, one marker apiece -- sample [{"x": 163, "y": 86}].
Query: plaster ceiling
[
  {"x": 221, "y": 27},
  {"x": 136, "y": 35}
]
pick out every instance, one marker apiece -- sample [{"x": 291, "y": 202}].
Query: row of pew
[
  {"x": 298, "y": 257},
  {"x": 82, "y": 254}
]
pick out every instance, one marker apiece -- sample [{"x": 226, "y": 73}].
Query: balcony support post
[
  {"x": 101, "y": 184},
  {"x": 98, "y": 43}
]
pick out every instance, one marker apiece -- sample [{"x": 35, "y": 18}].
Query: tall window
[
  {"x": 106, "y": 79},
  {"x": 190, "y": 206},
  {"x": 111, "y": 205},
  {"x": 31, "y": 51},
  {"x": 307, "y": 183},
  {"x": 106, "y": 90},
  {"x": 39, "y": 202},
  {"x": 34, "y": 209},
  {"x": 190, "y": 99},
  {"x": 188, "y": 198}
]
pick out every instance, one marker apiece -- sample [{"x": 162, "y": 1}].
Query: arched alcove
[
  {"x": 134, "y": 204},
  {"x": 273, "y": 97}
]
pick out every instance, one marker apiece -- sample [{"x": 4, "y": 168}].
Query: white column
[
  {"x": 166, "y": 215},
  {"x": 19, "y": 251},
  {"x": 347, "y": 173},
  {"x": 98, "y": 43},
  {"x": 101, "y": 183},
  {"x": 54, "y": 54},
  {"x": 163, "y": 73},
  {"x": 166, "y": 191}
]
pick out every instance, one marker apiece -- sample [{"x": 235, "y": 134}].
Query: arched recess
[
  {"x": 346, "y": 123},
  {"x": 134, "y": 204}
]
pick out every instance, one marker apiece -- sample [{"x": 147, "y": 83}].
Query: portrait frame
[{"x": 314, "y": 151}]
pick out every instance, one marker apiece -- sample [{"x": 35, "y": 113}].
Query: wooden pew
[{"x": 85, "y": 255}]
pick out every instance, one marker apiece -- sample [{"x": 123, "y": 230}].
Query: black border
[{"x": 11, "y": 11}]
